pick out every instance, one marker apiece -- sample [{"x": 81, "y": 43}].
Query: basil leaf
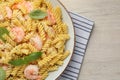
[
  {"x": 33, "y": 56},
  {"x": 37, "y": 14},
  {"x": 17, "y": 62},
  {"x": 3, "y": 31},
  {"x": 27, "y": 59},
  {"x": 2, "y": 74}
]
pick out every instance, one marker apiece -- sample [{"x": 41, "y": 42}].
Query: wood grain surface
[{"x": 102, "y": 59}]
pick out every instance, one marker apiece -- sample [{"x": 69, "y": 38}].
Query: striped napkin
[{"x": 83, "y": 28}]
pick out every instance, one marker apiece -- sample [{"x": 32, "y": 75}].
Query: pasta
[{"x": 32, "y": 39}]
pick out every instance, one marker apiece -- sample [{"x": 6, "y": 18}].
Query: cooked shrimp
[
  {"x": 9, "y": 12},
  {"x": 27, "y": 4},
  {"x": 37, "y": 42},
  {"x": 18, "y": 33},
  {"x": 51, "y": 17},
  {"x": 18, "y": 5},
  {"x": 15, "y": 6},
  {"x": 31, "y": 72}
]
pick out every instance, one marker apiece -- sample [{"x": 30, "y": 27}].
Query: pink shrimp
[
  {"x": 37, "y": 42},
  {"x": 31, "y": 72},
  {"x": 15, "y": 6},
  {"x": 27, "y": 4},
  {"x": 18, "y": 33},
  {"x": 18, "y": 5},
  {"x": 51, "y": 17},
  {"x": 9, "y": 12}
]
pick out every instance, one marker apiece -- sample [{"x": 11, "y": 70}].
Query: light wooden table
[{"x": 102, "y": 59}]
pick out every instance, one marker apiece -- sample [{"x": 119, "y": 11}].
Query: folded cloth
[{"x": 83, "y": 28}]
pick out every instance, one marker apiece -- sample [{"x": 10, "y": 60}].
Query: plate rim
[{"x": 73, "y": 32}]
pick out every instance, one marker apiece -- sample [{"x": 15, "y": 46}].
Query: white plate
[{"x": 69, "y": 45}]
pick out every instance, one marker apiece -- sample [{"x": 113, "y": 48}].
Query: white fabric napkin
[{"x": 83, "y": 29}]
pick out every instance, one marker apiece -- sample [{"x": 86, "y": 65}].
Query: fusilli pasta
[{"x": 32, "y": 39}]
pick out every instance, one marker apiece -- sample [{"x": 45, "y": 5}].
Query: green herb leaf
[
  {"x": 37, "y": 14},
  {"x": 2, "y": 74},
  {"x": 3, "y": 31},
  {"x": 27, "y": 59},
  {"x": 17, "y": 62},
  {"x": 33, "y": 56}
]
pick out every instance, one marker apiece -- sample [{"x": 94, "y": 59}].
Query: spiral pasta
[
  {"x": 41, "y": 31},
  {"x": 31, "y": 44},
  {"x": 53, "y": 68}
]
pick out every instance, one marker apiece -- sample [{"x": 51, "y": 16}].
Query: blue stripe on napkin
[{"x": 83, "y": 28}]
